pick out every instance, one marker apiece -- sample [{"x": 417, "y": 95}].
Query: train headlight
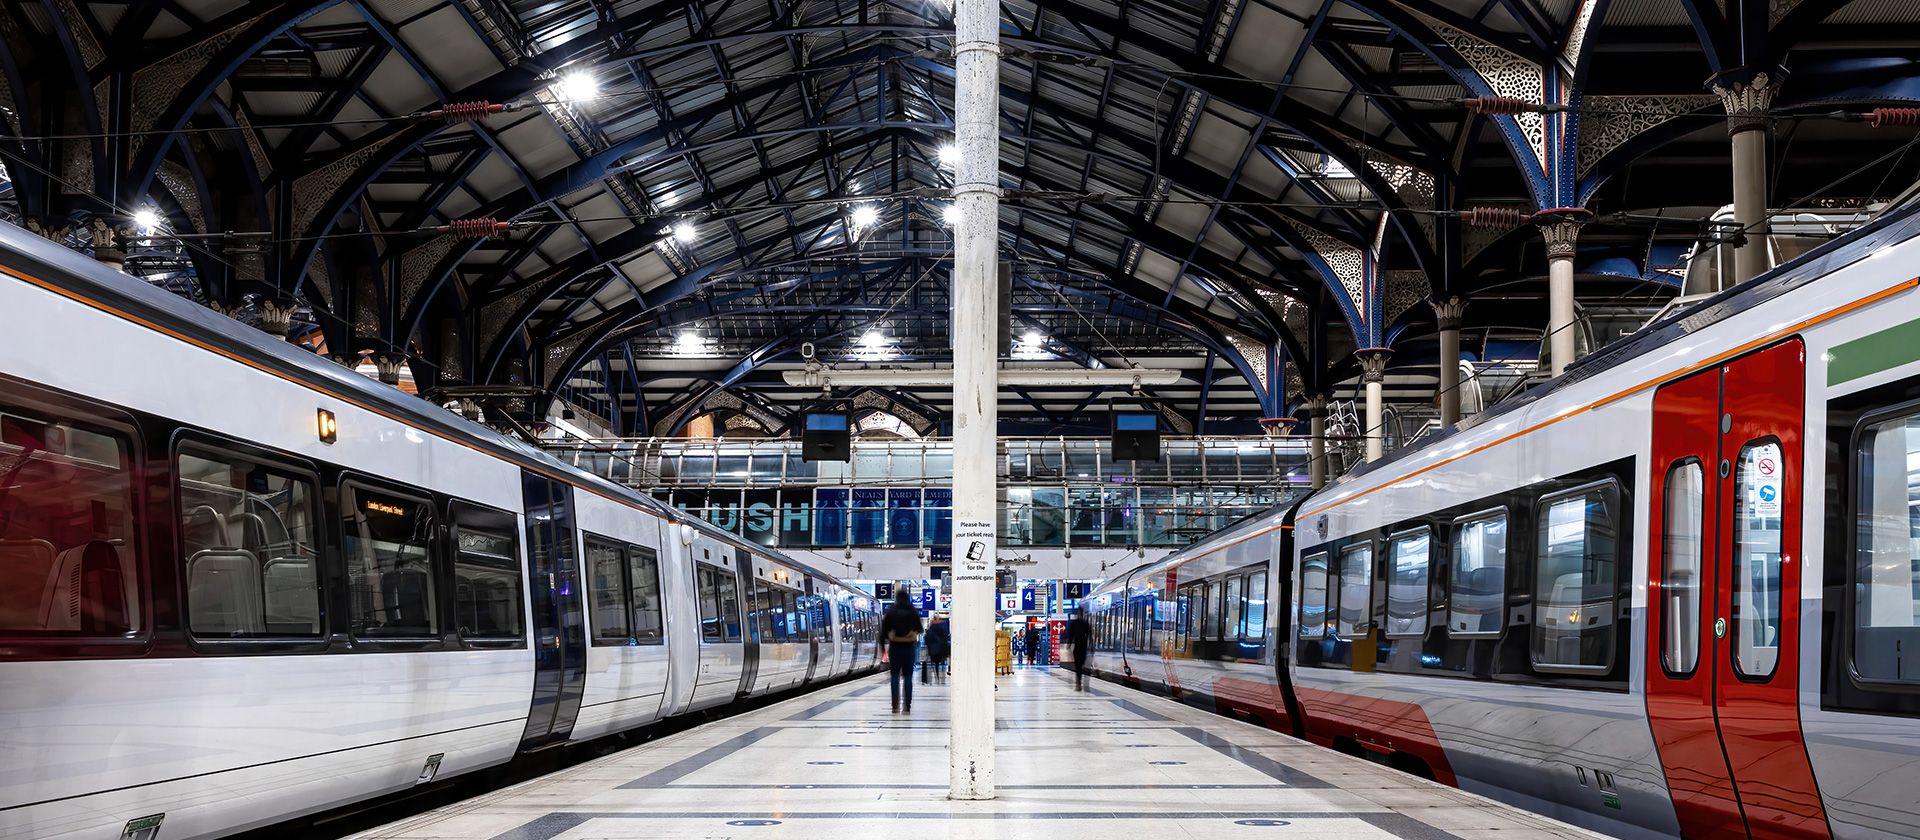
[{"x": 327, "y": 426}]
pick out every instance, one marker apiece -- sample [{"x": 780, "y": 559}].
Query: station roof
[{"x": 1248, "y": 190}]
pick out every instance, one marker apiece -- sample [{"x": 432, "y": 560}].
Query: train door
[
  {"x": 1724, "y": 608},
  {"x": 559, "y": 632},
  {"x": 753, "y": 627},
  {"x": 814, "y": 616}
]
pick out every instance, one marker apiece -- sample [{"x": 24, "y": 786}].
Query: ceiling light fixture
[
  {"x": 577, "y": 86},
  {"x": 865, "y": 215},
  {"x": 685, "y": 233},
  {"x": 951, "y": 215},
  {"x": 949, "y": 155},
  {"x": 146, "y": 219}
]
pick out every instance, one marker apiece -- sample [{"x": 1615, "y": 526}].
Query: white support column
[
  {"x": 1747, "y": 104},
  {"x": 976, "y": 412},
  {"x": 1373, "y": 368},
  {"x": 1317, "y": 442},
  {"x": 1561, "y": 235},
  {"x": 1447, "y": 315}
]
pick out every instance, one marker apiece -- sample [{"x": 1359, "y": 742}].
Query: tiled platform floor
[{"x": 1110, "y": 763}]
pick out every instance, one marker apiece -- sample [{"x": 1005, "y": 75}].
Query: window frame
[
  {"x": 1734, "y": 566},
  {"x": 1327, "y": 605},
  {"x": 1612, "y": 495},
  {"x": 589, "y": 541},
  {"x": 1702, "y": 606},
  {"x": 1426, "y": 611},
  {"x": 1857, "y": 495},
  {"x": 1338, "y": 598},
  {"x": 1454, "y": 529},
  {"x": 437, "y": 557},
  {"x": 457, "y": 509},
  {"x": 202, "y": 444},
  {"x": 660, "y": 592}
]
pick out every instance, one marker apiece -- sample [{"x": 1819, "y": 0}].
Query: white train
[
  {"x": 239, "y": 583},
  {"x": 1673, "y": 592}
]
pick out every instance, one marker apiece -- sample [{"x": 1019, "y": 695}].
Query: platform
[{"x": 1107, "y": 763}]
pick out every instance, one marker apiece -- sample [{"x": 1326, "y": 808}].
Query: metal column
[
  {"x": 1373, "y": 368},
  {"x": 1562, "y": 233},
  {"x": 1447, "y": 315},
  {"x": 976, "y": 237},
  {"x": 1747, "y": 103},
  {"x": 1317, "y": 442}
]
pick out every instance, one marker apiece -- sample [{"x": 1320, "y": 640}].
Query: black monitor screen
[
  {"x": 1135, "y": 422},
  {"x": 826, "y": 422}
]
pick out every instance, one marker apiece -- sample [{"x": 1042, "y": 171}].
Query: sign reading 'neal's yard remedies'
[{"x": 974, "y": 547}]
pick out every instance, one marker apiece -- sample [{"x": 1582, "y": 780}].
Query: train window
[
  {"x": 1758, "y": 516},
  {"x": 1680, "y": 557},
  {"x": 247, "y": 531},
  {"x": 643, "y": 573},
  {"x": 66, "y": 528},
  {"x": 1313, "y": 596},
  {"x": 1476, "y": 602},
  {"x": 1210, "y": 612},
  {"x": 388, "y": 545},
  {"x": 729, "y": 590},
  {"x": 607, "y": 590},
  {"x": 1356, "y": 591},
  {"x": 1407, "y": 556},
  {"x": 487, "y": 601},
  {"x": 1254, "y": 628},
  {"x": 1230, "y": 616},
  {"x": 1886, "y": 610},
  {"x": 712, "y": 625},
  {"x": 1573, "y": 586}
]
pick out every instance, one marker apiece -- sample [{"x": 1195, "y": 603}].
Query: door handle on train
[{"x": 1720, "y": 628}]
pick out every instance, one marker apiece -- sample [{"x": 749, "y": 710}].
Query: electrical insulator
[
  {"x": 1500, "y": 105},
  {"x": 455, "y": 112},
  {"x": 1500, "y": 218},
  {"x": 1893, "y": 117},
  {"x": 480, "y": 227}
]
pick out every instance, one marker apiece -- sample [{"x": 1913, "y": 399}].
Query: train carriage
[
  {"x": 1673, "y": 592},
  {"x": 239, "y": 583}
]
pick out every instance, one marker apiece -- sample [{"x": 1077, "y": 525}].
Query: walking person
[
  {"x": 939, "y": 641},
  {"x": 901, "y": 629},
  {"x": 1033, "y": 645},
  {"x": 1079, "y": 636}
]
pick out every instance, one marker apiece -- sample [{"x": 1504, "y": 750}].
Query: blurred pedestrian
[
  {"x": 1033, "y": 645},
  {"x": 901, "y": 629},
  {"x": 939, "y": 641},
  {"x": 1079, "y": 636}
]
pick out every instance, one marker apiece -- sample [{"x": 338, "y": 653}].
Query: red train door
[{"x": 1723, "y": 599}]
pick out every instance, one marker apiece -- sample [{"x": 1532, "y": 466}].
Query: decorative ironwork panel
[
  {"x": 155, "y": 85},
  {"x": 1609, "y": 122}
]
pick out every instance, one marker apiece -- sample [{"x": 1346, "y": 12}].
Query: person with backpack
[
  {"x": 939, "y": 644},
  {"x": 900, "y": 628}
]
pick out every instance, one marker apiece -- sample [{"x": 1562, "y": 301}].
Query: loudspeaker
[
  {"x": 1136, "y": 436},
  {"x": 826, "y": 437}
]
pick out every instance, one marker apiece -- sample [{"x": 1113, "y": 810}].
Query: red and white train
[
  {"x": 239, "y": 583},
  {"x": 1673, "y": 592}
]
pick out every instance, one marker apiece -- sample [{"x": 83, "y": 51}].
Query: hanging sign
[{"x": 973, "y": 542}]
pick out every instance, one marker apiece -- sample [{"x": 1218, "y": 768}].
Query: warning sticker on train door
[
  {"x": 1766, "y": 483},
  {"x": 973, "y": 543}
]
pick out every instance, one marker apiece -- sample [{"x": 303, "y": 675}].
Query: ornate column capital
[
  {"x": 1447, "y": 313},
  {"x": 388, "y": 366},
  {"x": 1373, "y": 363},
  {"x": 1748, "y": 98},
  {"x": 1316, "y": 407},
  {"x": 106, "y": 242},
  {"x": 276, "y": 318},
  {"x": 1562, "y": 238}
]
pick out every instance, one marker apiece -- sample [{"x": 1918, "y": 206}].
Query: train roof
[
  {"x": 37, "y": 259},
  {"x": 1897, "y": 223}
]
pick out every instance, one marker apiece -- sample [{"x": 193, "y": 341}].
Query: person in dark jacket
[
  {"x": 939, "y": 640},
  {"x": 1080, "y": 635},
  {"x": 1033, "y": 645},
  {"x": 900, "y": 629}
]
